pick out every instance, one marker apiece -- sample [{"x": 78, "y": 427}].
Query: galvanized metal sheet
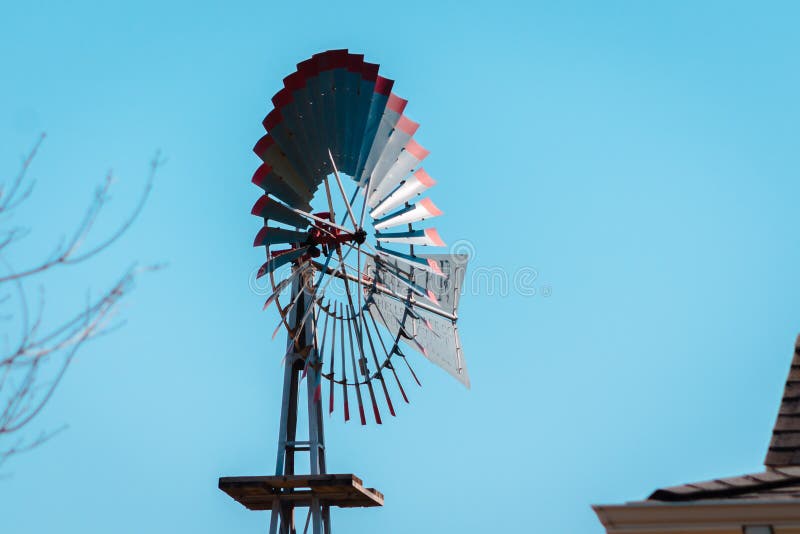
[
  {"x": 272, "y": 210},
  {"x": 271, "y": 236},
  {"x": 272, "y": 184},
  {"x": 392, "y": 114},
  {"x": 443, "y": 289},
  {"x": 415, "y": 260},
  {"x": 422, "y": 210},
  {"x": 380, "y": 96},
  {"x": 428, "y": 237},
  {"x": 284, "y": 135},
  {"x": 271, "y": 153},
  {"x": 411, "y": 156},
  {"x": 418, "y": 183},
  {"x": 433, "y": 336},
  {"x": 401, "y": 135}
]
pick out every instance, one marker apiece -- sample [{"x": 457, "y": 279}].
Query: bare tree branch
[{"x": 32, "y": 368}]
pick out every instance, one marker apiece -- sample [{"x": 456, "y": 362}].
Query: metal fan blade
[
  {"x": 424, "y": 209},
  {"x": 359, "y": 89},
  {"x": 280, "y": 260},
  {"x": 375, "y": 123},
  {"x": 330, "y": 66},
  {"x": 401, "y": 135},
  {"x": 427, "y": 237},
  {"x": 417, "y": 184},
  {"x": 271, "y": 236},
  {"x": 272, "y": 210},
  {"x": 292, "y": 104},
  {"x": 284, "y": 135},
  {"x": 271, "y": 183},
  {"x": 391, "y": 116},
  {"x": 270, "y": 153},
  {"x": 408, "y": 160},
  {"x": 302, "y": 85}
]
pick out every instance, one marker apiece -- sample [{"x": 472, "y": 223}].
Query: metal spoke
[
  {"x": 344, "y": 369},
  {"x": 355, "y": 373},
  {"x": 341, "y": 189},
  {"x": 321, "y": 220}
]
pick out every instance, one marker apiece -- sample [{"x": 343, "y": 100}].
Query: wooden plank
[{"x": 260, "y": 492}]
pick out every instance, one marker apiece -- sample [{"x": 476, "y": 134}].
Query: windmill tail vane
[{"x": 352, "y": 289}]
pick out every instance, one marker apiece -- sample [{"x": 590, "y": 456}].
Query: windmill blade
[
  {"x": 341, "y": 90},
  {"x": 366, "y": 74},
  {"x": 409, "y": 159},
  {"x": 283, "y": 135},
  {"x": 280, "y": 259},
  {"x": 392, "y": 116},
  {"x": 377, "y": 121},
  {"x": 424, "y": 209},
  {"x": 273, "y": 184},
  {"x": 271, "y": 153},
  {"x": 418, "y": 183},
  {"x": 400, "y": 136},
  {"x": 292, "y": 100},
  {"x": 324, "y": 96},
  {"x": 300, "y": 83},
  {"x": 272, "y": 210},
  {"x": 427, "y": 237},
  {"x": 272, "y": 236}
]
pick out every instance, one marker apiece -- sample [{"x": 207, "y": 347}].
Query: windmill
[{"x": 346, "y": 215}]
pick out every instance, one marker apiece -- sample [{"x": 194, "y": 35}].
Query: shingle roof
[
  {"x": 784, "y": 449},
  {"x": 781, "y": 479},
  {"x": 783, "y": 483}
]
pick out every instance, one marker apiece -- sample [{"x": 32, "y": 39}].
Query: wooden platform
[{"x": 259, "y": 493}]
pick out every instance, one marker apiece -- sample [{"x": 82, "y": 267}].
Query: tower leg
[{"x": 282, "y": 518}]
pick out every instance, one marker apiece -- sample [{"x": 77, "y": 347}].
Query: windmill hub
[{"x": 329, "y": 237}]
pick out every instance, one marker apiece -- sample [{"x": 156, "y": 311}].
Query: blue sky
[{"x": 641, "y": 157}]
